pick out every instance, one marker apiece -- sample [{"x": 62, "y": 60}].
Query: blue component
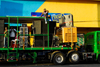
[
  {"x": 14, "y": 24},
  {"x": 19, "y": 7},
  {"x": 11, "y": 9},
  {"x": 54, "y": 16}
]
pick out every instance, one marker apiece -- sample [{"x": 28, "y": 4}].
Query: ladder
[{"x": 12, "y": 55}]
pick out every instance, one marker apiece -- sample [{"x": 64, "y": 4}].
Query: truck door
[{"x": 98, "y": 41}]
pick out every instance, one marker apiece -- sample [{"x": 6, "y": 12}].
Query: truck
[{"x": 39, "y": 40}]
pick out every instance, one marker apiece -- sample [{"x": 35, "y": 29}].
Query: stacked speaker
[
  {"x": 39, "y": 27},
  {"x": 66, "y": 21},
  {"x": 1, "y": 32},
  {"x": 23, "y": 39}
]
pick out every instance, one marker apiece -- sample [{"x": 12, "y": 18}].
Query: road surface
[{"x": 47, "y": 64}]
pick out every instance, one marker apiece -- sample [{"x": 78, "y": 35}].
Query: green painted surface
[
  {"x": 24, "y": 17},
  {"x": 93, "y": 41},
  {"x": 48, "y": 32},
  {"x": 39, "y": 48},
  {"x": 34, "y": 56},
  {"x": 80, "y": 40},
  {"x": 1, "y": 34}
]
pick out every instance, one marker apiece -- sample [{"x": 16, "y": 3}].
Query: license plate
[{"x": 89, "y": 56}]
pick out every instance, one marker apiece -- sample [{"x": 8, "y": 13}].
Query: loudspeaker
[
  {"x": 1, "y": 41},
  {"x": 23, "y": 30},
  {"x": 37, "y": 27},
  {"x": 44, "y": 27},
  {"x": 21, "y": 41},
  {"x": 43, "y": 40},
  {"x": 1, "y": 32},
  {"x": 24, "y": 25},
  {"x": 1, "y": 26}
]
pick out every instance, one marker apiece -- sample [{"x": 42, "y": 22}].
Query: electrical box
[{"x": 69, "y": 34}]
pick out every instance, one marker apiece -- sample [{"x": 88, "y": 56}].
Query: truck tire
[
  {"x": 59, "y": 59},
  {"x": 74, "y": 57}
]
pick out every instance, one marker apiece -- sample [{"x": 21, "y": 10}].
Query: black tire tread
[
  {"x": 70, "y": 60},
  {"x": 63, "y": 60}
]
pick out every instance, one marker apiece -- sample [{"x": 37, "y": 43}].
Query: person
[
  {"x": 5, "y": 37},
  {"x": 15, "y": 41},
  {"x": 12, "y": 34},
  {"x": 45, "y": 13}
]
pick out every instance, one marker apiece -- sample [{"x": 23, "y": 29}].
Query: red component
[
  {"x": 87, "y": 55},
  {"x": 64, "y": 45},
  {"x": 13, "y": 45},
  {"x": 33, "y": 15}
]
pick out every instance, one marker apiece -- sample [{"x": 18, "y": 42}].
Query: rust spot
[
  {"x": 61, "y": 48},
  {"x": 43, "y": 49},
  {"x": 16, "y": 59},
  {"x": 7, "y": 59},
  {"x": 13, "y": 49}
]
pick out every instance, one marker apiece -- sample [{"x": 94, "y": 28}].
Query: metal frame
[{"x": 28, "y": 48}]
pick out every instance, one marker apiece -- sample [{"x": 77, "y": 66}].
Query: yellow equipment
[{"x": 67, "y": 35}]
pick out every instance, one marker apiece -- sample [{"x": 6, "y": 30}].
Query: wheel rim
[
  {"x": 59, "y": 59},
  {"x": 75, "y": 57}
]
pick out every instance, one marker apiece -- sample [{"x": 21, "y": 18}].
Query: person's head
[
  {"x": 5, "y": 28},
  {"x": 44, "y": 10},
  {"x": 11, "y": 27}
]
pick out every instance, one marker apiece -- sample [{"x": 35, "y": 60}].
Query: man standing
[
  {"x": 5, "y": 37},
  {"x": 12, "y": 34},
  {"x": 45, "y": 13}
]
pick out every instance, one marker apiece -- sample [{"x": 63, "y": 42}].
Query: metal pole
[
  {"x": 17, "y": 32},
  {"x": 8, "y": 29},
  {"x": 71, "y": 37},
  {"x": 48, "y": 31}
]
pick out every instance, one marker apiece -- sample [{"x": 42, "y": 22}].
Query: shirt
[
  {"x": 5, "y": 33},
  {"x": 12, "y": 34},
  {"x": 45, "y": 13}
]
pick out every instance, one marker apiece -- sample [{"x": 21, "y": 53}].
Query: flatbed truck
[{"x": 54, "y": 50}]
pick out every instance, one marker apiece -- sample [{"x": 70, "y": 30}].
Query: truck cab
[{"x": 92, "y": 45}]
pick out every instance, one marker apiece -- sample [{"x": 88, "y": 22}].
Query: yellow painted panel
[
  {"x": 99, "y": 14},
  {"x": 82, "y": 12},
  {"x": 66, "y": 34},
  {"x": 86, "y": 24}
]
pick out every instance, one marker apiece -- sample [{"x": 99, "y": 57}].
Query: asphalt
[{"x": 47, "y": 64}]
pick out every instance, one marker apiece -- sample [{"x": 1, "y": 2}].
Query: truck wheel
[
  {"x": 59, "y": 59},
  {"x": 74, "y": 57}
]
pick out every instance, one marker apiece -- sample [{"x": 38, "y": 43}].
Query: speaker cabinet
[
  {"x": 1, "y": 32},
  {"x": 21, "y": 42}
]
